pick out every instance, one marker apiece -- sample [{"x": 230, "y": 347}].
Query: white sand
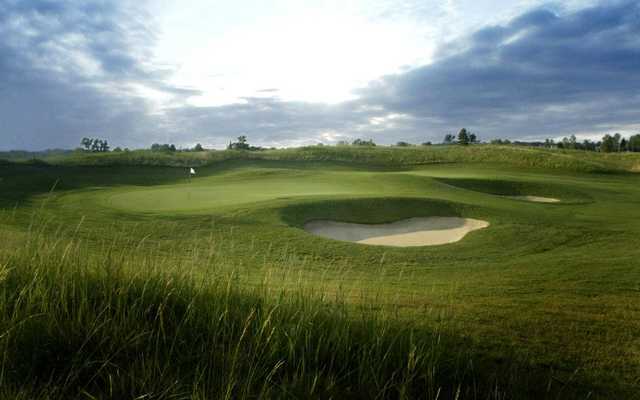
[
  {"x": 537, "y": 199},
  {"x": 411, "y": 232}
]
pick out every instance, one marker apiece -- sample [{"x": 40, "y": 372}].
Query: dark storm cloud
[
  {"x": 65, "y": 71},
  {"x": 541, "y": 74}
]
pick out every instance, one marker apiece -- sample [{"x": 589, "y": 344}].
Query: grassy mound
[
  {"x": 370, "y": 210},
  {"x": 513, "y": 156},
  {"x": 518, "y": 188}
]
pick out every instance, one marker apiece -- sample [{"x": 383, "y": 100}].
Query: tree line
[
  {"x": 608, "y": 144},
  {"x": 102, "y": 146},
  {"x": 465, "y": 137},
  {"x": 171, "y": 148}
]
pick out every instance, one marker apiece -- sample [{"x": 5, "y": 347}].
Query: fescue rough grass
[
  {"x": 131, "y": 281},
  {"x": 120, "y": 325},
  {"x": 514, "y": 156}
]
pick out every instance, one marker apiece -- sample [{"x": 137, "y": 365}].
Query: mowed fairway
[{"x": 545, "y": 300}]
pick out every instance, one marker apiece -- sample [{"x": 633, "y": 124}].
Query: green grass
[
  {"x": 514, "y": 156},
  {"x": 129, "y": 280}
]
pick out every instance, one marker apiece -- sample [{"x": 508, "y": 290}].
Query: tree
[
  {"x": 362, "y": 142},
  {"x": 241, "y": 144},
  {"x": 616, "y": 141},
  {"x": 198, "y": 147},
  {"x": 624, "y": 145},
  {"x": 426, "y": 144},
  {"x": 463, "y": 137},
  {"x": 403, "y": 144},
  {"x": 473, "y": 138},
  {"x": 588, "y": 145},
  {"x": 95, "y": 145},
  {"x": 608, "y": 144},
  {"x": 634, "y": 143},
  {"x": 167, "y": 148},
  {"x": 500, "y": 141},
  {"x": 448, "y": 138},
  {"x": 570, "y": 142},
  {"x": 86, "y": 143}
]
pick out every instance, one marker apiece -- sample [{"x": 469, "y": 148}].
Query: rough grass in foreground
[{"x": 76, "y": 325}]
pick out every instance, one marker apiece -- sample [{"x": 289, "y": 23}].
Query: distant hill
[
  {"x": 23, "y": 155},
  {"x": 518, "y": 156}
]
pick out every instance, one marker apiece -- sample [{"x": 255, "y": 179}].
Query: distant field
[{"x": 216, "y": 291}]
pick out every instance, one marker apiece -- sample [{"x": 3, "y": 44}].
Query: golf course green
[{"x": 212, "y": 285}]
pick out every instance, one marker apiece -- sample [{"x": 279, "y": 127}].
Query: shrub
[{"x": 362, "y": 142}]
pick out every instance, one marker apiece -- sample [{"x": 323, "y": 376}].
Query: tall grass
[
  {"x": 517, "y": 156},
  {"x": 115, "y": 324}
]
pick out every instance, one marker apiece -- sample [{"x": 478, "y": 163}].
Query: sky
[{"x": 290, "y": 73}]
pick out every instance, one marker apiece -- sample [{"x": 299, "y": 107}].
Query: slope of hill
[{"x": 515, "y": 156}]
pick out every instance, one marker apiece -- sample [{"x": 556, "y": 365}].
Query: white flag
[{"x": 192, "y": 171}]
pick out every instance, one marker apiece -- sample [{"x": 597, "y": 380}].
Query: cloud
[
  {"x": 76, "y": 68},
  {"x": 542, "y": 74},
  {"x": 266, "y": 121},
  {"x": 73, "y": 68}
]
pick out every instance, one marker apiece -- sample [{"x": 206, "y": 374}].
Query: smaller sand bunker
[
  {"x": 537, "y": 199},
  {"x": 430, "y": 231}
]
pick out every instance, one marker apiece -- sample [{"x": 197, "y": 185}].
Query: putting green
[
  {"x": 218, "y": 194},
  {"x": 235, "y": 188}
]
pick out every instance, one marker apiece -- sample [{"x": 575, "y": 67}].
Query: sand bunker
[
  {"x": 411, "y": 232},
  {"x": 537, "y": 199}
]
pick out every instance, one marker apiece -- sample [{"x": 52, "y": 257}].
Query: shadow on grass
[
  {"x": 21, "y": 181},
  {"x": 498, "y": 187},
  {"x": 75, "y": 326},
  {"x": 372, "y": 210}
]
